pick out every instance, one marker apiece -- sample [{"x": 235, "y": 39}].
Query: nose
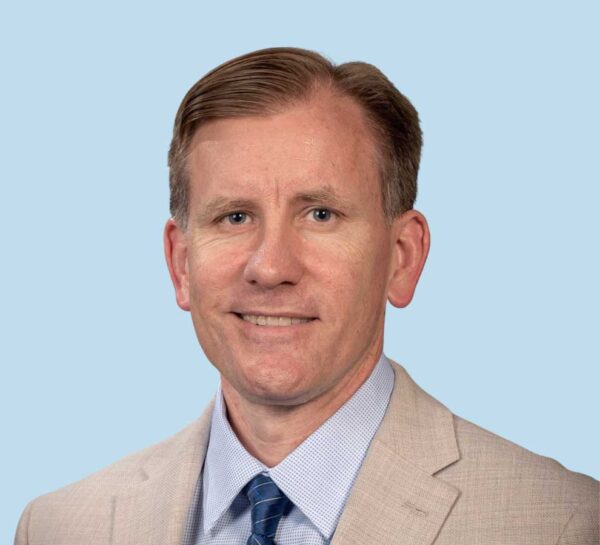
[{"x": 275, "y": 258}]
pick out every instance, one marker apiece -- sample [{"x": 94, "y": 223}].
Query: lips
[{"x": 273, "y": 320}]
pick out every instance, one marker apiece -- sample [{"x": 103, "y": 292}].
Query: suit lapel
[
  {"x": 154, "y": 511},
  {"x": 396, "y": 499}
]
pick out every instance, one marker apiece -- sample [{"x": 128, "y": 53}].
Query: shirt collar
[
  {"x": 227, "y": 468},
  {"x": 328, "y": 460}
]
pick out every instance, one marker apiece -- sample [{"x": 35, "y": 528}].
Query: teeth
[{"x": 278, "y": 321}]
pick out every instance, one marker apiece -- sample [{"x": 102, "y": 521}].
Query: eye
[
  {"x": 236, "y": 218},
  {"x": 321, "y": 214}
]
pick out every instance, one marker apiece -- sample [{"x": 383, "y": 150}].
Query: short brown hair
[{"x": 263, "y": 82}]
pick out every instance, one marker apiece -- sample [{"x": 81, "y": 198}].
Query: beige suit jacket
[{"x": 428, "y": 477}]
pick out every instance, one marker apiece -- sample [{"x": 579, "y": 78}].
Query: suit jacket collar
[
  {"x": 395, "y": 500},
  {"x": 155, "y": 510},
  {"x": 417, "y": 427}
]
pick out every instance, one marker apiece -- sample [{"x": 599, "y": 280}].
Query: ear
[
  {"x": 176, "y": 253},
  {"x": 411, "y": 246}
]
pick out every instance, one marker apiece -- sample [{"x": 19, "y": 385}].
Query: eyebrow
[
  {"x": 324, "y": 195},
  {"x": 222, "y": 205}
]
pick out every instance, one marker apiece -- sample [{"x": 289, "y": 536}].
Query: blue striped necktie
[{"x": 268, "y": 503}]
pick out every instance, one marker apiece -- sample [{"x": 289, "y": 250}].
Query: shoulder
[
  {"x": 498, "y": 478},
  {"x": 489, "y": 470},
  {"x": 91, "y": 498},
  {"x": 505, "y": 493},
  {"x": 122, "y": 474},
  {"x": 501, "y": 458}
]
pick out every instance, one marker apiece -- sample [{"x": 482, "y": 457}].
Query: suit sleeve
[
  {"x": 582, "y": 529},
  {"x": 21, "y": 536}
]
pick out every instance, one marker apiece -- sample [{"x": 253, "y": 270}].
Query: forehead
[{"x": 321, "y": 141}]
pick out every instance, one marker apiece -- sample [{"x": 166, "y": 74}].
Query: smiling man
[{"x": 292, "y": 191}]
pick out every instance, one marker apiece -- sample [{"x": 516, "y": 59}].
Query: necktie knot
[{"x": 268, "y": 504}]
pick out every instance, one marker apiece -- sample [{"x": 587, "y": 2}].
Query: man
[{"x": 292, "y": 191}]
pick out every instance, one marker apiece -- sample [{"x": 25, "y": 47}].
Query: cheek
[
  {"x": 214, "y": 265},
  {"x": 352, "y": 269}
]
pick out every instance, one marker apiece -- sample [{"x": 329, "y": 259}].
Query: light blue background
[{"x": 98, "y": 361}]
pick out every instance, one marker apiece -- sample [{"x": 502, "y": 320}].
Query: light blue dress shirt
[{"x": 317, "y": 476}]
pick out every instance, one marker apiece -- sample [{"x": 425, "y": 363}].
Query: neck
[{"x": 271, "y": 432}]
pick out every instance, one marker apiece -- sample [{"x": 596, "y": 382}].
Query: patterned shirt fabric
[{"x": 317, "y": 476}]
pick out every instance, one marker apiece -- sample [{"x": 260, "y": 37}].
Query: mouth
[{"x": 273, "y": 321}]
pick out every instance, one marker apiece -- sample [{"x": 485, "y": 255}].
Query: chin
[{"x": 276, "y": 386}]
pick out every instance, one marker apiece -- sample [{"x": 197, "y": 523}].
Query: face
[{"x": 287, "y": 260}]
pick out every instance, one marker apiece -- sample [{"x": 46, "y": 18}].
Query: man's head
[
  {"x": 267, "y": 81},
  {"x": 280, "y": 247}
]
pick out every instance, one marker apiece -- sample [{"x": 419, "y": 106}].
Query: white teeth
[{"x": 278, "y": 321}]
